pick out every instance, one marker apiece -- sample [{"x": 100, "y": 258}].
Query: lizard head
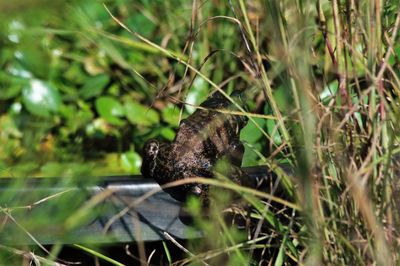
[{"x": 150, "y": 152}]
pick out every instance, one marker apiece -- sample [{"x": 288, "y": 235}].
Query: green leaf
[
  {"x": 40, "y": 98},
  {"x": 167, "y": 133},
  {"x": 9, "y": 92},
  {"x": 250, "y": 133},
  {"x": 141, "y": 23},
  {"x": 34, "y": 58},
  {"x": 94, "y": 86},
  {"x": 110, "y": 109},
  {"x": 250, "y": 156},
  {"x": 281, "y": 98},
  {"x": 75, "y": 73},
  {"x": 75, "y": 118},
  {"x": 273, "y": 131},
  {"x": 329, "y": 91},
  {"x": 197, "y": 94},
  {"x": 12, "y": 81},
  {"x": 280, "y": 259},
  {"x": 131, "y": 162},
  {"x": 170, "y": 114},
  {"x": 139, "y": 114}
]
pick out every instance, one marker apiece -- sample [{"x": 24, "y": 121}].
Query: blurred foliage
[{"x": 75, "y": 87}]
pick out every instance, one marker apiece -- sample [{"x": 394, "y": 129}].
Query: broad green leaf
[
  {"x": 13, "y": 80},
  {"x": 110, "y": 109},
  {"x": 34, "y": 59},
  {"x": 9, "y": 92},
  {"x": 250, "y": 156},
  {"x": 170, "y": 114},
  {"x": 40, "y": 98},
  {"x": 167, "y": 133},
  {"x": 75, "y": 118},
  {"x": 250, "y": 133},
  {"x": 138, "y": 114},
  {"x": 75, "y": 73},
  {"x": 94, "y": 86},
  {"x": 273, "y": 131},
  {"x": 131, "y": 162},
  {"x": 281, "y": 98},
  {"x": 197, "y": 94}
]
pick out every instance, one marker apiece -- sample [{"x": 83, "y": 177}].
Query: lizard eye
[{"x": 151, "y": 148}]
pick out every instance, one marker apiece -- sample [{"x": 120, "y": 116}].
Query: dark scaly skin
[{"x": 202, "y": 139}]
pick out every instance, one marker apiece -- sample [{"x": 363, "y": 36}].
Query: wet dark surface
[{"x": 125, "y": 253}]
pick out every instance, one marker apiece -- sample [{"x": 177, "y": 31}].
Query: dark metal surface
[{"x": 52, "y": 211}]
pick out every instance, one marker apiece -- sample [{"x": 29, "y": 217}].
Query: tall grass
[
  {"x": 344, "y": 143},
  {"x": 336, "y": 65}
]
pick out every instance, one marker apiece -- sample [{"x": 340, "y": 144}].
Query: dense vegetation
[{"x": 80, "y": 93}]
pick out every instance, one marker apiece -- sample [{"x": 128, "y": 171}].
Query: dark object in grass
[
  {"x": 146, "y": 220},
  {"x": 203, "y": 139}
]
